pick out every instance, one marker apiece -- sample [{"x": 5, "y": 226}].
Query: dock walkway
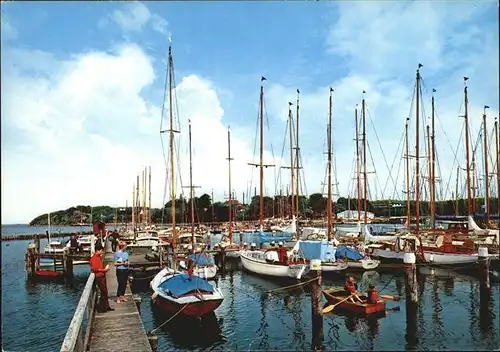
[{"x": 121, "y": 329}]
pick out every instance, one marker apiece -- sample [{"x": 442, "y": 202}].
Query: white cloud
[
  {"x": 7, "y": 29},
  {"x": 90, "y": 131},
  {"x": 134, "y": 17}
]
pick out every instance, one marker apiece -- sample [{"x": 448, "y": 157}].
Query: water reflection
[
  {"x": 486, "y": 310},
  {"x": 262, "y": 330},
  {"x": 203, "y": 333}
]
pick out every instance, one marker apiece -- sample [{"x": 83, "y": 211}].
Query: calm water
[{"x": 35, "y": 315}]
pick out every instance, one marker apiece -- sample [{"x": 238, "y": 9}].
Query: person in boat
[
  {"x": 73, "y": 243},
  {"x": 373, "y": 296},
  {"x": 253, "y": 246},
  {"x": 97, "y": 267},
  {"x": 121, "y": 263},
  {"x": 352, "y": 288},
  {"x": 282, "y": 253}
]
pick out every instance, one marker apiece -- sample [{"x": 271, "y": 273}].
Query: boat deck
[{"x": 122, "y": 329}]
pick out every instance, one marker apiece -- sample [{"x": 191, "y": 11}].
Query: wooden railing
[{"x": 76, "y": 339}]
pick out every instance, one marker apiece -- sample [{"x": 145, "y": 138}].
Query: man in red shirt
[{"x": 97, "y": 267}]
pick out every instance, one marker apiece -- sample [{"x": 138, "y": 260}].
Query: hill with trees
[{"x": 313, "y": 207}]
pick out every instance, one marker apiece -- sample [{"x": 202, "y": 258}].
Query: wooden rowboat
[{"x": 335, "y": 295}]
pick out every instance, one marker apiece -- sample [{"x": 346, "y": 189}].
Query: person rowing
[{"x": 351, "y": 287}]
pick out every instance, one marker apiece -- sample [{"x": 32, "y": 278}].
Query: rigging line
[
  {"x": 256, "y": 138},
  {"x": 282, "y": 151},
  {"x": 455, "y": 160},
  {"x": 439, "y": 178},
  {"x": 396, "y": 194},
  {"x": 381, "y": 149},
  {"x": 175, "y": 98},
  {"x": 392, "y": 164},
  {"x": 377, "y": 181}
]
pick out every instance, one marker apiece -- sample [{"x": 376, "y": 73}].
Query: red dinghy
[
  {"x": 335, "y": 295},
  {"x": 50, "y": 273}
]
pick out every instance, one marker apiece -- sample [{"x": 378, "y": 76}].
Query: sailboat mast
[
  {"x": 429, "y": 166},
  {"x": 261, "y": 165},
  {"x": 417, "y": 162},
  {"x": 467, "y": 167},
  {"x": 365, "y": 178},
  {"x": 144, "y": 210},
  {"x": 408, "y": 195},
  {"x": 486, "y": 176},
  {"x": 497, "y": 144},
  {"x": 292, "y": 183},
  {"x": 149, "y": 210},
  {"x": 297, "y": 156},
  {"x": 191, "y": 195},
  {"x": 329, "y": 138},
  {"x": 172, "y": 156},
  {"x": 433, "y": 167},
  {"x": 229, "y": 185},
  {"x": 133, "y": 207},
  {"x": 213, "y": 209},
  {"x": 358, "y": 164}
]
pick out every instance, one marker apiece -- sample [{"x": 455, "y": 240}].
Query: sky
[{"x": 83, "y": 88}]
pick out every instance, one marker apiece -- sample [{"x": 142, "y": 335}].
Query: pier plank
[{"x": 122, "y": 329}]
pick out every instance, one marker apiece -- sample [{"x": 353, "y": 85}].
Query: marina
[
  {"x": 272, "y": 304},
  {"x": 328, "y": 179}
]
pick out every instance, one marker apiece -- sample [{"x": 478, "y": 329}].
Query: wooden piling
[
  {"x": 153, "y": 341},
  {"x": 411, "y": 283},
  {"x": 67, "y": 264},
  {"x": 484, "y": 265},
  {"x": 316, "y": 306},
  {"x": 411, "y": 290}
]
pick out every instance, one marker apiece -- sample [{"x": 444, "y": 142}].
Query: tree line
[{"x": 312, "y": 207}]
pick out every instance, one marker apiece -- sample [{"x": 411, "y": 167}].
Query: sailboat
[
  {"x": 52, "y": 246},
  {"x": 272, "y": 262},
  {"x": 177, "y": 292},
  {"x": 232, "y": 249},
  {"x": 203, "y": 266},
  {"x": 444, "y": 250}
]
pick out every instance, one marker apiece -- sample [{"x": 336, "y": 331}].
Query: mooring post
[
  {"x": 32, "y": 259},
  {"x": 484, "y": 265},
  {"x": 411, "y": 286},
  {"x": 411, "y": 290},
  {"x": 153, "y": 341},
  {"x": 68, "y": 263},
  {"x": 316, "y": 303}
]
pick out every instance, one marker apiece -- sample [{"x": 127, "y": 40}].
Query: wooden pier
[{"x": 118, "y": 330}]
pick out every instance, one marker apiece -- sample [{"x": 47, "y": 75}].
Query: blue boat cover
[
  {"x": 269, "y": 237},
  {"x": 323, "y": 250},
  {"x": 349, "y": 252},
  {"x": 200, "y": 259},
  {"x": 180, "y": 284}
]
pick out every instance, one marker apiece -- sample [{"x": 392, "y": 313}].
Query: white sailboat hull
[
  {"x": 254, "y": 261},
  {"x": 334, "y": 266},
  {"x": 450, "y": 258},
  {"x": 365, "y": 264}
]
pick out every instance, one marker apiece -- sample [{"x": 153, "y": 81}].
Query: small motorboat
[
  {"x": 336, "y": 295},
  {"x": 178, "y": 292}
]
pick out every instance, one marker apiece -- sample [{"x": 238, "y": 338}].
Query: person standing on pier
[
  {"x": 97, "y": 267},
  {"x": 121, "y": 262}
]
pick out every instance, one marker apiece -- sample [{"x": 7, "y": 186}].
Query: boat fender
[{"x": 154, "y": 295}]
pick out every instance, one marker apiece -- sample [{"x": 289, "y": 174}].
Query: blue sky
[{"x": 83, "y": 81}]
